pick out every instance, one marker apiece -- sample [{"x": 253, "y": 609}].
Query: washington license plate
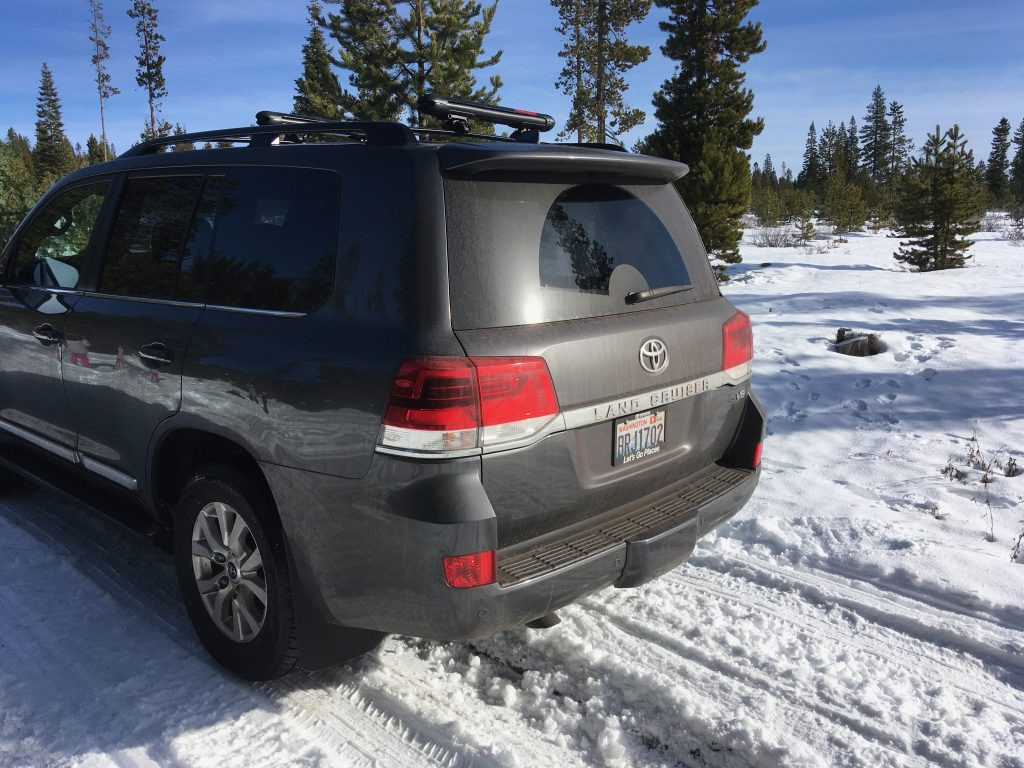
[{"x": 638, "y": 437}]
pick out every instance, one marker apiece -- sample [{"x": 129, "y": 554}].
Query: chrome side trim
[
  {"x": 39, "y": 441},
  {"x": 114, "y": 475},
  {"x": 427, "y": 455},
  {"x": 96, "y": 467},
  {"x": 145, "y": 300},
  {"x": 43, "y": 289},
  {"x": 250, "y": 311}
]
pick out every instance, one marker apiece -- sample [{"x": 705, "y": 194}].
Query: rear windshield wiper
[{"x": 635, "y": 297}]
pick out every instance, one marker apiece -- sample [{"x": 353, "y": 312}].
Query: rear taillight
[
  {"x": 445, "y": 404},
  {"x": 465, "y": 571},
  {"x": 737, "y": 341},
  {"x": 757, "y": 456}
]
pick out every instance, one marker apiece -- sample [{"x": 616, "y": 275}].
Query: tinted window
[
  {"x": 590, "y": 230},
  {"x": 52, "y": 250},
  {"x": 149, "y": 235},
  {"x": 522, "y": 253},
  {"x": 274, "y": 239}
]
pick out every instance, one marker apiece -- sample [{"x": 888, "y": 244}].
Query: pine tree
[
  {"x": 97, "y": 151},
  {"x": 900, "y": 146},
  {"x": 1017, "y": 166},
  {"x": 703, "y": 112},
  {"x": 941, "y": 203},
  {"x": 996, "y": 169},
  {"x": 876, "y": 139},
  {"x": 317, "y": 92},
  {"x": 392, "y": 58},
  {"x": 150, "y": 72},
  {"x": 810, "y": 174},
  {"x": 769, "y": 175},
  {"x": 100, "y": 31},
  {"x": 53, "y": 156},
  {"x": 597, "y": 56},
  {"x": 851, "y": 153},
  {"x": 19, "y": 188}
]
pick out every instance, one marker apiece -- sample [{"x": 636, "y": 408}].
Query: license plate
[{"x": 638, "y": 437}]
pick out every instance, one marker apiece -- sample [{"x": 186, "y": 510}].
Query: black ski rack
[
  {"x": 527, "y": 126},
  {"x": 284, "y": 127},
  {"x": 276, "y": 127}
]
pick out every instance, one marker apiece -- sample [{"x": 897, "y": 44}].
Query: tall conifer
[
  {"x": 53, "y": 156},
  {"x": 1017, "y": 166},
  {"x": 99, "y": 33},
  {"x": 703, "y": 112},
  {"x": 810, "y": 172},
  {"x": 397, "y": 50},
  {"x": 940, "y": 205},
  {"x": 900, "y": 146},
  {"x": 876, "y": 139},
  {"x": 317, "y": 92},
  {"x": 997, "y": 168},
  {"x": 597, "y": 55},
  {"x": 150, "y": 72}
]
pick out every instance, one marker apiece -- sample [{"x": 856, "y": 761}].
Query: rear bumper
[{"x": 370, "y": 558}]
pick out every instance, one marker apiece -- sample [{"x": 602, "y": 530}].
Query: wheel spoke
[
  {"x": 211, "y": 540},
  {"x": 238, "y": 531},
  {"x": 255, "y": 590},
  {"x": 202, "y": 549},
  {"x": 222, "y": 519},
  {"x": 251, "y": 564},
  {"x": 242, "y": 608},
  {"x": 218, "y": 606},
  {"x": 236, "y": 621},
  {"x": 207, "y": 586}
]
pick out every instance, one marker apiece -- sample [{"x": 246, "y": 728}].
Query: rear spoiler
[{"x": 557, "y": 163}]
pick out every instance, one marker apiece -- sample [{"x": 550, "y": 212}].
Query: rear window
[{"x": 522, "y": 253}]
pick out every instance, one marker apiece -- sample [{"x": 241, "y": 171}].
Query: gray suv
[{"x": 363, "y": 379}]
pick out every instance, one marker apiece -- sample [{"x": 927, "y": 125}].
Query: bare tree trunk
[{"x": 600, "y": 108}]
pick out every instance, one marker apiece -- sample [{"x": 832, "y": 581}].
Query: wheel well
[{"x": 183, "y": 452}]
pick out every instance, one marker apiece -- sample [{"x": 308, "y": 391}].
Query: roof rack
[
  {"x": 458, "y": 112},
  {"x": 276, "y": 127},
  {"x": 273, "y": 127}
]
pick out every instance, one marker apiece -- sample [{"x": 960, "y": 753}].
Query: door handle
[
  {"x": 156, "y": 354},
  {"x": 46, "y": 335}
]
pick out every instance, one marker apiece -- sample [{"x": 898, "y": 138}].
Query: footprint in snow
[
  {"x": 862, "y": 383},
  {"x": 814, "y": 396},
  {"x": 892, "y": 383}
]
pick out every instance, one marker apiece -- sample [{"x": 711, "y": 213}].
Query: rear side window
[
  {"x": 150, "y": 235},
  {"x": 51, "y": 252},
  {"x": 274, "y": 239},
  {"x": 523, "y": 253}
]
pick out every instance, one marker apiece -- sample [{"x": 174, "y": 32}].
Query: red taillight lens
[
  {"x": 737, "y": 341},
  {"x": 443, "y": 404},
  {"x": 465, "y": 571},
  {"x": 436, "y": 393},
  {"x": 514, "y": 389},
  {"x": 757, "y": 455}
]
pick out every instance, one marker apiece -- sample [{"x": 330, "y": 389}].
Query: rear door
[
  {"x": 127, "y": 337},
  {"x": 609, "y": 284}
]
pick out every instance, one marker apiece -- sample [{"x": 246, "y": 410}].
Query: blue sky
[{"x": 946, "y": 61}]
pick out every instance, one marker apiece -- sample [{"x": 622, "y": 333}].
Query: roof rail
[
  {"x": 458, "y": 112},
  {"x": 276, "y": 126}
]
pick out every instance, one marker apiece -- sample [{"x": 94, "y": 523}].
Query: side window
[
  {"x": 274, "y": 240},
  {"x": 149, "y": 237},
  {"x": 52, "y": 251}
]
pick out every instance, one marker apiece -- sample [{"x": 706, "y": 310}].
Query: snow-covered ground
[{"x": 863, "y": 610}]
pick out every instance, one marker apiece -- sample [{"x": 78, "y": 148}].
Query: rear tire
[{"x": 233, "y": 573}]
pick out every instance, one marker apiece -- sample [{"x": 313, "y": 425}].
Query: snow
[{"x": 856, "y": 613}]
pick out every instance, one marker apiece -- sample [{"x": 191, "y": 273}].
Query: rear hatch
[{"x": 590, "y": 261}]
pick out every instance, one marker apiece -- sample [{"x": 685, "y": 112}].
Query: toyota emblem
[{"x": 654, "y": 356}]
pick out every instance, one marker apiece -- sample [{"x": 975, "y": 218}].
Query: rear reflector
[
  {"x": 445, "y": 404},
  {"x": 465, "y": 571},
  {"x": 737, "y": 341},
  {"x": 757, "y": 456}
]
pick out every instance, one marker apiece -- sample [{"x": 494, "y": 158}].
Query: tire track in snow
[{"x": 350, "y": 731}]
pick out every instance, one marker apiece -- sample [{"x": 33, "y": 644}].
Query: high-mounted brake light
[
  {"x": 445, "y": 404},
  {"x": 465, "y": 571},
  {"x": 737, "y": 341}
]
